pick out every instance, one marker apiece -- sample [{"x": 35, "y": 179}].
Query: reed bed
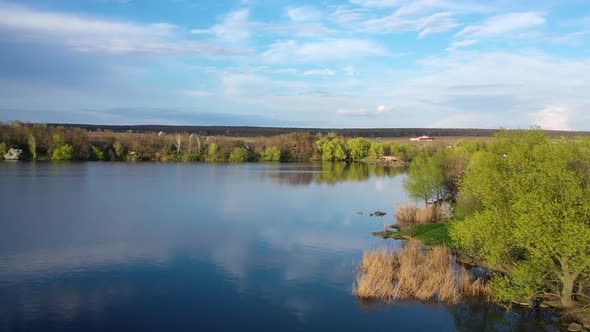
[
  {"x": 410, "y": 214},
  {"x": 412, "y": 272}
]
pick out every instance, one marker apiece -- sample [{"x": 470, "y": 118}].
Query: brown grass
[
  {"x": 410, "y": 214},
  {"x": 413, "y": 272}
]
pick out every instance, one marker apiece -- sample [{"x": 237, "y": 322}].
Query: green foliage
[
  {"x": 532, "y": 210},
  {"x": 119, "y": 150},
  {"x": 404, "y": 151},
  {"x": 97, "y": 154},
  {"x": 238, "y": 155},
  {"x": 377, "y": 150},
  {"x": 58, "y": 140},
  {"x": 213, "y": 154},
  {"x": 3, "y": 150},
  {"x": 272, "y": 154},
  {"x": 426, "y": 179},
  {"x": 63, "y": 152},
  {"x": 470, "y": 146},
  {"x": 359, "y": 148},
  {"x": 32, "y": 142},
  {"x": 332, "y": 148},
  {"x": 522, "y": 285}
]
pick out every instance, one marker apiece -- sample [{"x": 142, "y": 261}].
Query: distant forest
[
  {"x": 29, "y": 141},
  {"x": 239, "y": 131}
]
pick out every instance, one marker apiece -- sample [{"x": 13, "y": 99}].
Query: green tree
[
  {"x": 426, "y": 179},
  {"x": 238, "y": 155},
  {"x": 2, "y": 150},
  {"x": 58, "y": 140},
  {"x": 532, "y": 216},
  {"x": 32, "y": 142},
  {"x": 213, "y": 154},
  {"x": 63, "y": 152},
  {"x": 119, "y": 150},
  {"x": 359, "y": 147},
  {"x": 377, "y": 150},
  {"x": 272, "y": 154},
  {"x": 332, "y": 148},
  {"x": 97, "y": 154}
]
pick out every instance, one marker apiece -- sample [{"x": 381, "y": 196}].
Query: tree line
[
  {"x": 522, "y": 205},
  {"x": 58, "y": 143}
]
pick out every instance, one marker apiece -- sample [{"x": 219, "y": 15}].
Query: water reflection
[
  {"x": 152, "y": 247},
  {"x": 329, "y": 173}
]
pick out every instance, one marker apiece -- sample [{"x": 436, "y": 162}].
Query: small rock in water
[
  {"x": 359, "y": 213},
  {"x": 574, "y": 327},
  {"x": 378, "y": 213}
]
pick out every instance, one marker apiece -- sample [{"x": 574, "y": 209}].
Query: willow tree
[
  {"x": 533, "y": 214},
  {"x": 359, "y": 147},
  {"x": 426, "y": 179}
]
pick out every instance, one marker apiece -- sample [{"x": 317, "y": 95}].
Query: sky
[{"x": 323, "y": 63}]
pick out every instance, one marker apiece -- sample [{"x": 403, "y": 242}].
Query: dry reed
[
  {"x": 415, "y": 273},
  {"x": 410, "y": 214}
]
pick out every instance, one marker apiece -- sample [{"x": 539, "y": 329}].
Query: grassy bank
[{"x": 429, "y": 234}]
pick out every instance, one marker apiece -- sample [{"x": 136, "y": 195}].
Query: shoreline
[{"x": 575, "y": 315}]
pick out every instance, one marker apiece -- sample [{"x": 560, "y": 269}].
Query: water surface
[{"x": 204, "y": 247}]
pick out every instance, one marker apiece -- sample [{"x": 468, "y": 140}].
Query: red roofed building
[{"x": 422, "y": 138}]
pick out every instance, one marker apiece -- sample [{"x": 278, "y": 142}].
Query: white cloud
[
  {"x": 435, "y": 23},
  {"x": 348, "y": 112},
  {"x": 381, "y": 109},
  {"x": 344, "y": 14},
  {"x": 459, "y": 44},
  {"x": 553, "y": 118},
  {"x": 235, "y": 27},
  {"x": 196, "y": 93},
  {"x": 319, "y": 72},
  {"x": 377, "y": 3},
  {"x": 350, "y": 71},
  {"x": 91, "y": 34},
  {"x": 362, "y": 112},
  {"x": 504, "y": 23},
  {"x": 410, "y": 7},
  {"x": 329, "y": 49},
  {"x": 494, "y": 88},
  {"x": 303, "y": 14}
]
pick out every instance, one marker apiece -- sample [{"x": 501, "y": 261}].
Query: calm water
[{"x": 200, "y": 247}]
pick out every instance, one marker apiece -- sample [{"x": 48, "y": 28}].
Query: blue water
[{"x": 204, "y": 247}]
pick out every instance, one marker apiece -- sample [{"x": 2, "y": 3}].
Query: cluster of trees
[
  {"x": 527, "y": 211},
  {"x": 42, "y": 142},
  {"x": 522, "y": 205},
  {"x": 335, "y": 148},
  {"x": 435, "y": 173}
]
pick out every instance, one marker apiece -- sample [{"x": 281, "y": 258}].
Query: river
[{"x": 205, "y": 247}]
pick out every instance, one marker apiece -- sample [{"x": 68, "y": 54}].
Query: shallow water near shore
[{"x": 206, "y": 247}]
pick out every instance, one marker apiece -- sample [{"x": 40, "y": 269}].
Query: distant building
[{"x": 422, "y": 138}]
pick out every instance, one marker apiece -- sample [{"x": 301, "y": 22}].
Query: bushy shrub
[
  {"x": 239, "y": 155},
  {"x": 2, "y": 150},
  {"x": 64, "y": 152},
  {"x": 272, "y": 154}
]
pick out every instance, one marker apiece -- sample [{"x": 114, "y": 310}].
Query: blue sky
[{"x": 355, "y": 63}]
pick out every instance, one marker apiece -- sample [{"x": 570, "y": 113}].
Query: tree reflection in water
[{"x": 328, "y": 173}]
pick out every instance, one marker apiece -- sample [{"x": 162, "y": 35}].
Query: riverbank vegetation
[
  {"x": 415, "y": 272},
  {"x": 519, "y": 204},
  {"x": 42, "y": 142}
]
